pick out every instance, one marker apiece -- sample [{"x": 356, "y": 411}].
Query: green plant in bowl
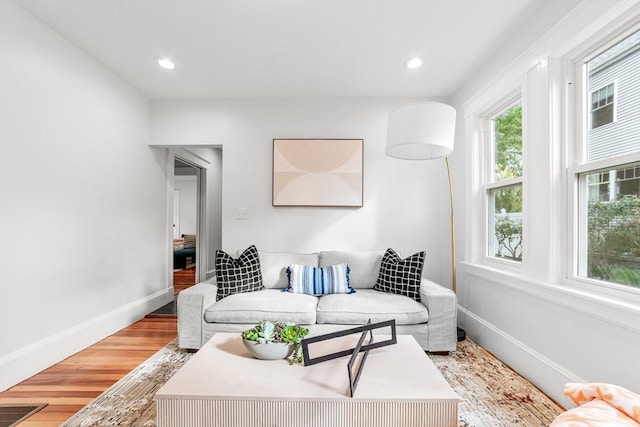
[{"x": 267, "y": 332}]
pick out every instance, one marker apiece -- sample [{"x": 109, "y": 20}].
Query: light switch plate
[{"x": 241, "y": 213}]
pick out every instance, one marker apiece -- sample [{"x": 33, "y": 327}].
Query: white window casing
[{"x": 590, "y": 150}]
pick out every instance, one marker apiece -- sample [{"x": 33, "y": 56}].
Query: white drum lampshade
[{"x": 421, "y": 131}]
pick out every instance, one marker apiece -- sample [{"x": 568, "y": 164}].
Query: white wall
[
  {"x": 405, "y": 203},
  {"x": 83, "y": 199},
  {"x": 188, "y": 202},
  {"x": 544, "y": 325}
]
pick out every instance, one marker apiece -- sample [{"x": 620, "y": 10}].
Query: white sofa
[{"x": 432, "y": 321}]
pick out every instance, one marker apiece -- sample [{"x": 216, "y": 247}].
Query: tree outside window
[{"x": 508, "y": 144}]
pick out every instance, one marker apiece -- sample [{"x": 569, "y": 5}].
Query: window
[
  {"x": 504, "y": 191},
  {"x": 608, "y": 177},
  {"x": 602, "y": 101}
]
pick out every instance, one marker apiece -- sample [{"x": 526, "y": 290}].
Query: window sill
[
  {"x": 502, "y": 264},
  {"x": 625, "y": 314}
]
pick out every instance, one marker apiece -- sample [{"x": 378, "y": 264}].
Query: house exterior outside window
[{"x": 614, "y": 74}]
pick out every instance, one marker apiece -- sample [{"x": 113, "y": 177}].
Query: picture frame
[{"x": 318, "y": 172}]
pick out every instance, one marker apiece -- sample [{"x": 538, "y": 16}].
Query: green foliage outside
[
  {"x": 614, "y": 240},
  {"x": 508, "y": 140}
]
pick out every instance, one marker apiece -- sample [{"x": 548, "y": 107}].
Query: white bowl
[{"x": 268, "y": 351}]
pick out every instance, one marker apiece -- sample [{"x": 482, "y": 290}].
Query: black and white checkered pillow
[
  {"x": 401, "y": 276},
  {"x": 238, "y": 275}
]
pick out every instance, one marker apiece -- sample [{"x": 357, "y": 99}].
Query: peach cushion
[{"x": 600, "y": 405}]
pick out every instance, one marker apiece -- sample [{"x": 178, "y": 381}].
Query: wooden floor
[
  {"x": 77, "y": 380},
  {"x": 182, "y": 279}
]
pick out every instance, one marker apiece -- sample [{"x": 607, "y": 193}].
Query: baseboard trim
[
  {"x": 541, "y": 371},
  {"x": 29, "y": 360}
]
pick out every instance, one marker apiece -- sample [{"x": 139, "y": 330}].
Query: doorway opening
[
  {"x": 186, "y": 205},
  {"x": 192, "y": 214}
]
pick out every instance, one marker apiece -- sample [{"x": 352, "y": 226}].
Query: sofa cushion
[
  {"x": 332, "y": 279},
  {"x": 238, "y": 275},
  {"x": 274, "y": 266},
  {"x": 268, "y": 304},
  {"x": 364, "y": 266},
  {"x": 358, "y": 308},
  {"x": 401, "y": 276}
]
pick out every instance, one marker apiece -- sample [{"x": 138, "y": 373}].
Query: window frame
[
  {"x": 579, "y": 112},
  {"x": 580, "y": 192},
  {"x": 489, "y": 183}
]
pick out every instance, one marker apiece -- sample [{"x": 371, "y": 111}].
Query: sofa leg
[{"x": 439, "y": 353}]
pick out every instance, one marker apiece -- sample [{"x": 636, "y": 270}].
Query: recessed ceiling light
[
  {"x": 166, "y": 63},
  {"x": 413, "y": 63}
]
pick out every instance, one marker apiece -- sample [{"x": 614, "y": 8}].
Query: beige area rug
[{"x": 491, "y": 394}]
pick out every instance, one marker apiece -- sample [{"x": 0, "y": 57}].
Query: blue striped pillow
[{"x": 333, "y": 279}]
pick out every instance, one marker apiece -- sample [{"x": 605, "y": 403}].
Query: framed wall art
[{"x": 318, "y": 172}]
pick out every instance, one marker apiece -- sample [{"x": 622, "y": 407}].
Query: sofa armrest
[
  {"x": 442, "y": 306},
  {"x": 192, "y": 303}
]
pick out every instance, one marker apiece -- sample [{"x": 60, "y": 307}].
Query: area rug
[{"x": 491, "y": 394}]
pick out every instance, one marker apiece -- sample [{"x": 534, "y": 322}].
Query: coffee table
[{"x": 223, "y": 385}]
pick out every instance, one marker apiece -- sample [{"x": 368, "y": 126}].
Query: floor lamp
[{"x": 425, "y": 131}]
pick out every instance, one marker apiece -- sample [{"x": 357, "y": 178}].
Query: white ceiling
[{"x": 289, "y": 48}]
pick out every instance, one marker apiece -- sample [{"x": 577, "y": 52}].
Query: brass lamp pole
[{"x": 453, "y": 230}]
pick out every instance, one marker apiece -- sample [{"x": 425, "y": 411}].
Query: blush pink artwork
[{"x": 317, "y": 172}]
